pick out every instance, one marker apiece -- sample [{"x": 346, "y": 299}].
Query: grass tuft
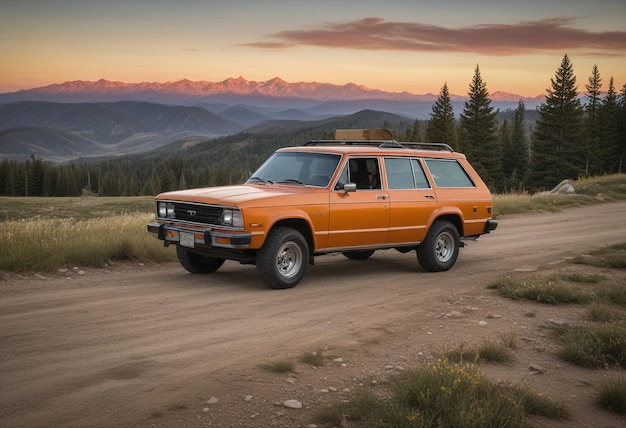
[
  {"x": 489, "y": 350},
  {"x": 279, "y": 367},
  {"x": 442, "y": 394},
  {"x": 613, "y": 395},
  {"x": 612, "y": 256},
  {"x": 602, "y": 313},
  {"x": 615, "y": 294},
  {"x": 549, "y": 290},
  {"x": 313, "y": 358},
  {"x": 509, "y": 339},
  {"x": 595, "y": 346}
]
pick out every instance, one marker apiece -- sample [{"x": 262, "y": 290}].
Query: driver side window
[{"x": 364, "y": 172}]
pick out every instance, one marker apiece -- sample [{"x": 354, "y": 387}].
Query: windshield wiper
[
  {"x": 259, "y": 180},
  {"x": 292, "y": 181}
]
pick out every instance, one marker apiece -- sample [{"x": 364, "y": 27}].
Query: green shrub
[
  {"x": 549, "y": 290},
  {"x": 596, "y": 346},
  {"x": 444, "y": 394}
]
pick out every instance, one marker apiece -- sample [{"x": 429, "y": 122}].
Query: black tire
[
  {"x": 281, "y": 263},
  {"x": 358, "y": 255},
  {"x": 440, "y": 249},
  {"x": 197, "y": 263}
]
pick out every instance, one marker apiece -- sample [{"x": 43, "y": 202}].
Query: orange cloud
[{"x": 555, "y": 34}]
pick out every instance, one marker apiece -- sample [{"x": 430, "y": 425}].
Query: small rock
[
  {"x": 338, "y": 360},
  {"x": 292, "y": 404},
  {"x": 206, "y": 410},
  {"x": 40, "y": 276},
  {"x": 494, "y": 316},
  {"x": 537, "y": 369},
  {"x": 62, "y": 270},
  {"x": 247, "y": 398},
  {"x": 212, "y": 400},
  {"x": 558, "y": 322},
  {"x": 291, "y": 379},
  {"x": 482, "y": 322},
  {"x": 80, "y": 273}
]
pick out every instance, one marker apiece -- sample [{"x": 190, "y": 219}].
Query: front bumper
[{"x": 171, "y": 234}]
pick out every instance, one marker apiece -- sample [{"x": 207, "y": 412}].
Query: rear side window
[
  {"x": 405, "y": 173},
  {"x": 448, "y": 173}
]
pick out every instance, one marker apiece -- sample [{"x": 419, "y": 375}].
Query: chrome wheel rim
[
  {"x": 289, "y": 259},
  {"x": 444, "y": 247}
]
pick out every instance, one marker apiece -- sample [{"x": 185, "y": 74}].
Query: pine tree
[
  {"x": 478, "y": 137},
  {"x": 592, "y": 140},
  {"x": 506, "y": 139},
  {"x": 557, "y": 150},
  {"x": 621, "y": 122},
  {"x": 441, "y": 125},
  {"x": 608, "y": 132},
  {"x": 519, "y": 141}
]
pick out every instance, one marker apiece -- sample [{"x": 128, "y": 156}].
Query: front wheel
[
  {"x": 281, "y": 263},
  {"x": 440, "y": 249},
  {"x": 197, "y": 263}
]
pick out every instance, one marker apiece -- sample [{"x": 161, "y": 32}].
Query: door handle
[
  {"x": 383, "y": 197},
  {"x": 429, "y": 196}
]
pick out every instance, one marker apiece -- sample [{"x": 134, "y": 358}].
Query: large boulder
[{"x": 564, "y": 187}]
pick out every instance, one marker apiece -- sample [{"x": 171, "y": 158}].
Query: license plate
[{"x": 187, "y": 239}]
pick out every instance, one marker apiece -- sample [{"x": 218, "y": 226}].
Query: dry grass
[{"x": 47, "y": 244}]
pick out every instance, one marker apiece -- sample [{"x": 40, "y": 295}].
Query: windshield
[{"x": 305, "y": 169}]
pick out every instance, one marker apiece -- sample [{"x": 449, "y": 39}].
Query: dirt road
[{"x": 132, "y": 345}]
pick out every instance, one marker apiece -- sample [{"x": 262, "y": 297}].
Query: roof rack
[
  {"x": 383, "y": 144},
  {"x": 377, "y": 143}
]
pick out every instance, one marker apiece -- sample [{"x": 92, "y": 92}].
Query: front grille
[{"x": 205, "y": 214}]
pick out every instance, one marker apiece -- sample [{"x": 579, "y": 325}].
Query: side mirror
[{"x": 349, "y": 187}]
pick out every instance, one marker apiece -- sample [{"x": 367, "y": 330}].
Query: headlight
[
  {"x": 232, "y": 218},
  {"x": 165, "y": 210}
]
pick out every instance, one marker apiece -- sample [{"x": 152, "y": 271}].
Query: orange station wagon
[{"x": 349, "y": 195}]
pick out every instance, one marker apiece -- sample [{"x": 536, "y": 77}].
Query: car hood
[{"x": 240, "y": 195}]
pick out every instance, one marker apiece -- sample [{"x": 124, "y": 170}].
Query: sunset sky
[{"x": 392, "y": 45}]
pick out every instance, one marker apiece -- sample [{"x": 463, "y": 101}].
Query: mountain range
[{"x": 90, "y": 118}]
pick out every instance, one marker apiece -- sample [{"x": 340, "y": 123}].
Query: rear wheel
[
  {"x": 197, "y": 263},
  {"x": 358, "y": 255},
  {"x": 440, "y": 249},
  {"x": 281, "y": 263}
]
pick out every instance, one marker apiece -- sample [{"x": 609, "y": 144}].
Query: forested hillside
[
  {"x": 59, "y": 132},
  {"x": 180, "y": 164},
  {"x": 571, "y": 135}
]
